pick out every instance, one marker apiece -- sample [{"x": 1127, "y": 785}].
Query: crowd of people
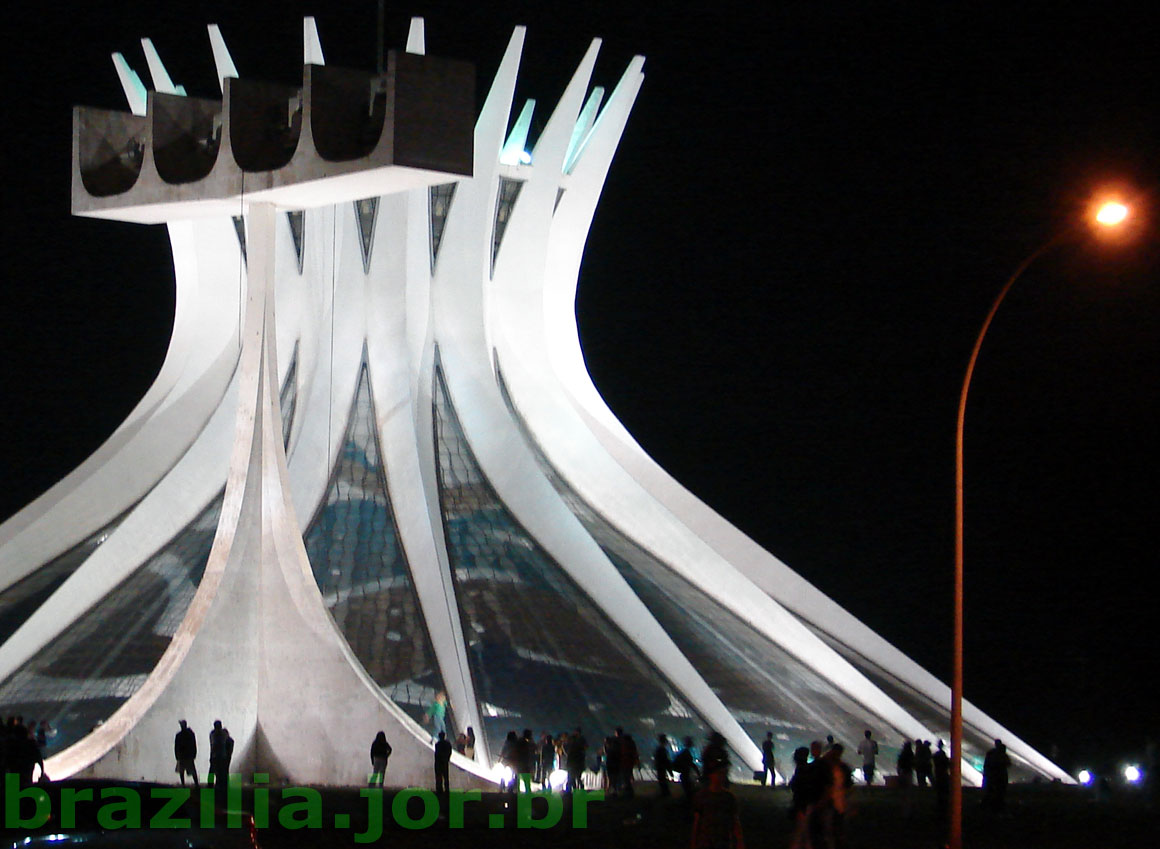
[
  {"x": 556, "y": 762},
  {"x": 820, "y": 781},
  {"x": 560, "y": 762}
]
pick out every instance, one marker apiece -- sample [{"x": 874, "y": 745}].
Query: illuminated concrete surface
[{"x": 373, "y": 466}]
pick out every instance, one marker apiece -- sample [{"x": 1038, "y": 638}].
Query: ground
[
  {"x": 1043, "y": 815},
  {"x": 1038, "y": 816}
]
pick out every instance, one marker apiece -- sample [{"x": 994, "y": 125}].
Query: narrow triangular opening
[
  {"x": 240, "y": 229},
  {"x": 366, "y": 212},
  {"x": 505, "y": 201},
  {"x": 288, "y": 398},
  {"x": 297, "y": 222},
  {"x": 439, "y": 206}
]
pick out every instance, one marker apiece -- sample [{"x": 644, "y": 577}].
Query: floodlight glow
[
  {"x": 1112, "y": 213},
  {"x": 1132, "y": 774},
  {"x": 502, "y": 773},
  {"x": 558, "y": 780},
  {"x": 1085, "y": 777},
  {"x": 515, "y": 157}
]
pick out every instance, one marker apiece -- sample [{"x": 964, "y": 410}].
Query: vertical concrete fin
[
  {"x": 493, "y": 118},
  {"x": 583, "y": 127},
  {"x": 221, "y": 57},
  {"x": 551, "y": 147},
  {"x": 135, "y": 91},
  {"x": 514, "y": 151},
  {"x": 416, "y": 37},
  {"x": 608, "y": 124},
  {"x": 157, "y": 72},
  {"x": 311, "y": 45}
]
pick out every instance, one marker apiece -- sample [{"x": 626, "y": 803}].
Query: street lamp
[{"x": 1108, "y": 214}]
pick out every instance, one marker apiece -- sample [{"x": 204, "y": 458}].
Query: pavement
[
  {"x": 1054, "y": 816},
  {"x": 1037, "y": 815}
]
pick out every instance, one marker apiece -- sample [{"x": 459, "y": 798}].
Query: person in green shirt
[{"x": 437, "y": 714}]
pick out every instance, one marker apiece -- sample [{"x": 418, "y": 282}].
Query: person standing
[
  {"x": 922, "y": 763},
  {"x": 442, "y": 764},
  {"x": 547, "y": 760},
  {"x": 509, "y": 758},
  {"x": 868, "y": 749},
  {"x": 185, "y": 752},
  {"x": 526, "y": 754},
  {"x": 437, "y": 714},
  {"x": 767, "y": 761},
  {"x": 380, "y": 753},
  {"x": 831, "y": 782},
  {"x": 906, "y": 766},
  {"x": 995, "y": 766},
  {"x": 941, "y": 765},
  {"x": 803, "y": 787},
  {"x": 577, "y": 752},
  {"x": 22, "y": 755},
  {"x": 684, "y": 764},
  {"x": 662, "y": 764},
  {"x": 716, "y": 824},
  {"x": 714, "y": 757},
  {"x": 612, "y": 761},
  {"x": 221, "y": 750},
  {"x": 629, "y": 761}
]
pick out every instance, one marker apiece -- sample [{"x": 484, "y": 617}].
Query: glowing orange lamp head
[{"x": 1111, "y": 213}]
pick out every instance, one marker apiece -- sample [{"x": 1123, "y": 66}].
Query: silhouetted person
[
  {"x": 547, "y": 759},
  {"x": 612, "y": 761},
  {"x": 831, "y": 780},
  {"x": 684, "y": 765},
  {"x": 575, "y": 754},
  {"x": 525, "y": 760},
  {"x": 804, "y": 791},
  {"x": 629, "y": 761},
  {"x": 941, "y": 766},
  {"x": 185, "y": 752},
  {"x": 868, "y": 749},
  {"x": 995, "y": 766},
  {"x": 509, "y": 756},
  {"x": 767, "y": 761},
  {"x": 715, "y": 757},
  {"x": 469, "y": 747},
  {"x": 442, "y": 764},
  {"x": 380, "y": 754},
  {"x": 21, "y": 754},
  {"x": 663, "y": 764},
  {"x": 221, "y": 750},
  {"x": 922, "y": 763},
  {"x": 906, "y": 765},
  {"x": 716, "y": 824}
]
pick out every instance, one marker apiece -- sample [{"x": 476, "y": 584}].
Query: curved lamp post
[{"x": 1110, "y": 214}]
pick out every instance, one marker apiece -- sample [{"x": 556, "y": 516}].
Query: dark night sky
[{"x": 811, "y": 210}]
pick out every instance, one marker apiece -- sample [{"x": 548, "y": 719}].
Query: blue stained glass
[
  {"x": 362, "y": 571},
  {"x": 79, "y": 679},
  {"x": 542, "y": 654}
]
